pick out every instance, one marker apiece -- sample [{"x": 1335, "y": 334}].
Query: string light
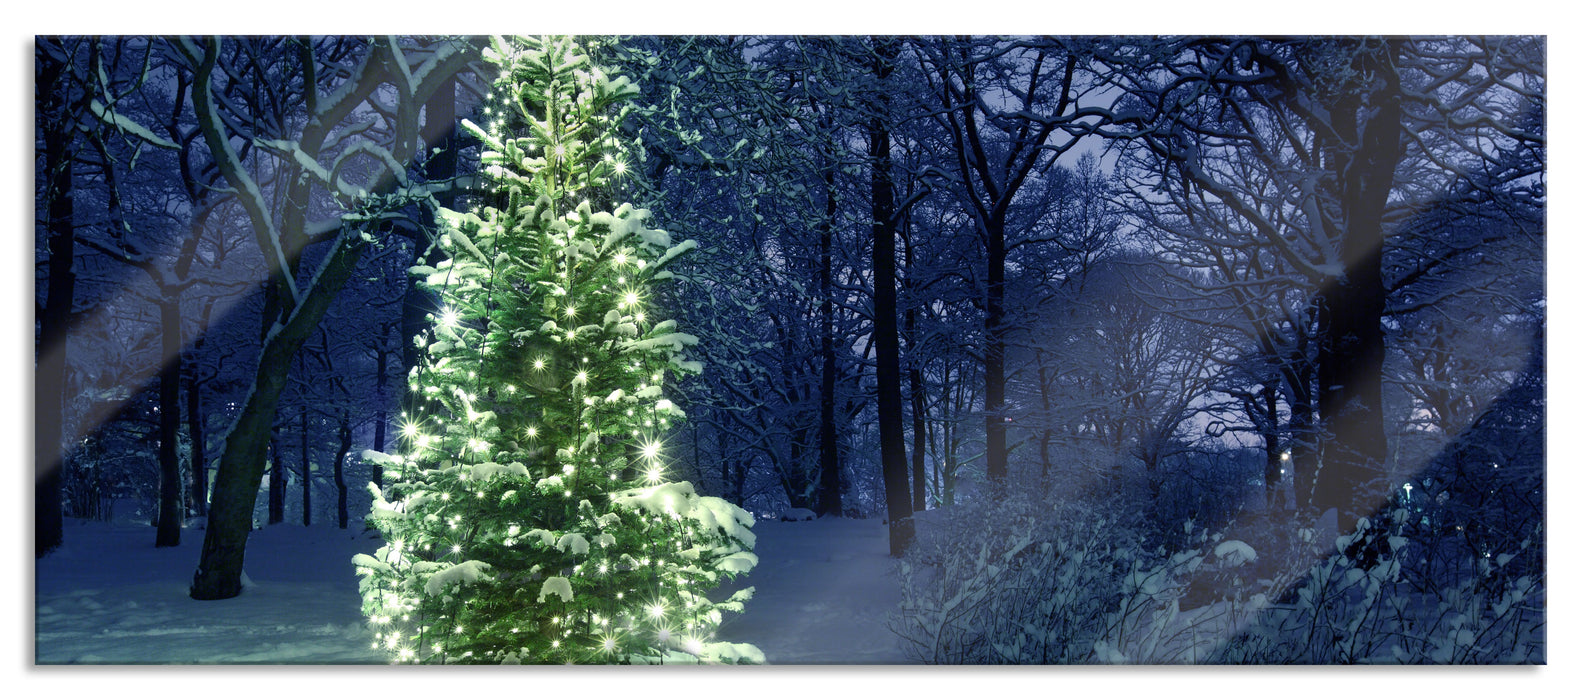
[{"x": 452, "y": 448}]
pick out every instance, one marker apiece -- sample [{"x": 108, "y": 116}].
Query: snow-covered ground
[
  {"x": 823, "y": 591},
  {"x": 107, "y": 596}
]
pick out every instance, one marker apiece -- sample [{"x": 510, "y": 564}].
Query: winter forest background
[{"x": 1108, "y": 341}]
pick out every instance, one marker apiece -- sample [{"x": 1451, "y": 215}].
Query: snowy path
[
  {"x": 108, "y": 596},
  {"x": 824, "y": 591}
]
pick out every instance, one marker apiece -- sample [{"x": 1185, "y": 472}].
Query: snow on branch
[
  {"x": 230, "y": 165},
  {"x": 125, "y": 124}
]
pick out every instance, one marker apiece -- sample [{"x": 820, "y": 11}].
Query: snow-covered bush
[
  {"x": 1029, "y": 582},
  {"x": 1020, "y": 581},
  {"x": 1355, "y": 606}
]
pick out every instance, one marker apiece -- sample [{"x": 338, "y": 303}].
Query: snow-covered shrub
[
  {"x": 1021, "y": 581},
  {"x": 1355, "y": 606},
  {"x": 1208, "y": 489},
  {"x": 1026, "y": 581}
]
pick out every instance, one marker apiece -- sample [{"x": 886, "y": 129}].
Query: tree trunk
[
  {"x": 198, "y": 490},
  {"x": 887, "y": 340},
  {"x": 919, "y": 423},
  {"x": 307, "y": 470},
  {"x": 54, "y": 317},
  {"x": 1351, "y": 351},
  {"x": 829, "y": 485},
  {"x": 242, "y": 462},
  {"x": 914, "y": 367},
  {"x": 277, "y": 479},
  {"x": 1269, "y": 426},
  {"x": 381, "y": 417},
  {"x": 1045, "y": 434},
  {"x": 342, "y": 515},
  {"x": 796, "y": 480},
  {"x": 168, "y": 533},
  {"x": 995, "y": 453},
  {"x": 1304, "y": 453}
]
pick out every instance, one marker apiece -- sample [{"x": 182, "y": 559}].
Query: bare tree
[
  {"x": 1299, "y": 141},
  {"x": 368, "y": 179},
  {"x": 1011, "y": 107}
]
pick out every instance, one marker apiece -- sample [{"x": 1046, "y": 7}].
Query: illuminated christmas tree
[{"x": 529, "y": 516}]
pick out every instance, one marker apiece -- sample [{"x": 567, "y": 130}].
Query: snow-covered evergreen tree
[{"x": 529, "y": 516}]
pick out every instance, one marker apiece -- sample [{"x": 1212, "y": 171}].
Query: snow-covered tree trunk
[{"x": 242, "y": 460}]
